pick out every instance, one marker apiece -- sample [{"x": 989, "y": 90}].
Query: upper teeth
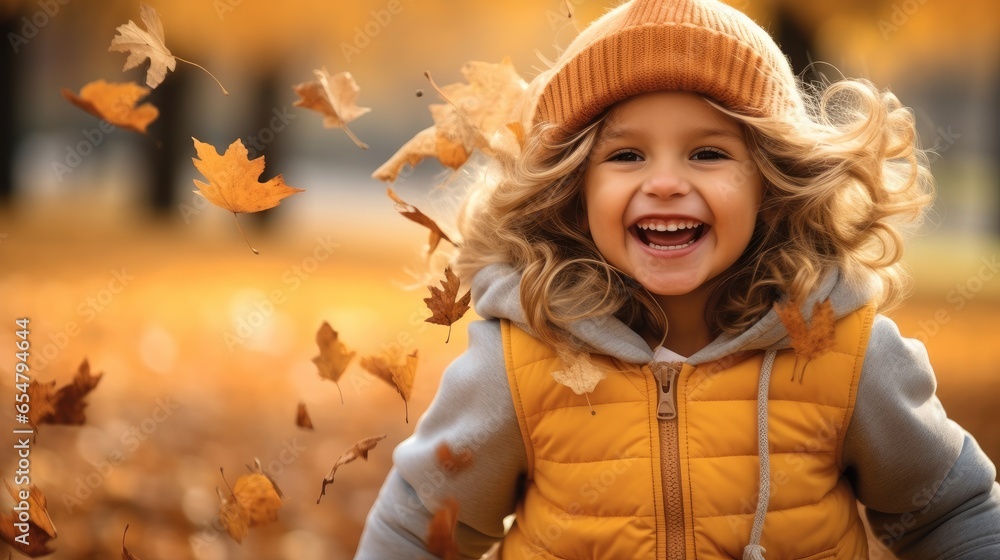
[{"x": 669, "y": 225}]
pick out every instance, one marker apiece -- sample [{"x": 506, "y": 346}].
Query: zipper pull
[{"x": 666, "y": 381}]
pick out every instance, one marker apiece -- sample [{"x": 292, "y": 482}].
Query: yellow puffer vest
[{"x": 596, "y": 479}]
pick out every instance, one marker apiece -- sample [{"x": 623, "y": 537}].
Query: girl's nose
[{"x": 665, "y": 179}]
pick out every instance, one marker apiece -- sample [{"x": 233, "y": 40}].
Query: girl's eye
[
  {"x": 709, "y": 154},
  {"x": 625, "y": 155}
]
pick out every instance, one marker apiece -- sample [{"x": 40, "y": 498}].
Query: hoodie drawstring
[{"x": 753, "y": 550}]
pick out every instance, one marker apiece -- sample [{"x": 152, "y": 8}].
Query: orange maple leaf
[
  {"x": 302, "y": 419},
  {"x": 445, "y": 304},
  {"x": 232, "y": 181},
  {"x": 410, "y": 212},
  {"x": 68, "y": 402},
  {"x": 451, "y": 462},
  {"x": 358, "y": 451},
  {"x": 475, "y": 112},
  {"x": 333, "y": 355},
  {"x": 812, "y": 340},
  {"x": 334, "y": 97},
  {"x": 441, "y": 538},
  {"x": 115, "y": 103},
  {"x": 397, "y": 373}
]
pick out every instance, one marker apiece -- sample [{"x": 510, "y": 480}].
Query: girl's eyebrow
[{"x": 617, "y": 131}]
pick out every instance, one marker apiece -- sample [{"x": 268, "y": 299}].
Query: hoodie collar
[{"x": 496, "y": 294}]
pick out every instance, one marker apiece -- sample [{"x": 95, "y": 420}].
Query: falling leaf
[
  {"x": 232, "y": 180},
  {"x": 359, "y": 450},
  {"x": 233, "y": 517},
  {"x": 445, "y": 304},
  {"x": 39, "y": 536},
  {"x": 441, "y": 538},
  {"x": 451, "y": 462},
  {"x": 302, "y": 419},
  {"x": 812, "y": 340},
  {"x": 580, "y": 374},
  {"x": 411, "y": 213},
  {"x": 126, "y": 555},
  {"x": 41, "y": 396},
  {"x": 475, "y": 112},
  {"x": 115, "y": 103},
  {"x": 398, "y": 374},
  {"x": 68, "y": 402},
  {"x": 150, "y": 43},
  {"x": 333, "y": 355},
  {"x": 254, "y": 501},
  {"x": 142, "y": 44},
  {"x": 37, "y": 508},
  {"x": 335, "y": 97}
]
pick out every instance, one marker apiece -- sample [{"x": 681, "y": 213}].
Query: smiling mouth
[{"x": 669, "y": 235}]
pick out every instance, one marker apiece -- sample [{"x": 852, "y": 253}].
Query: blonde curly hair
[{"x": 842, "y": 182}]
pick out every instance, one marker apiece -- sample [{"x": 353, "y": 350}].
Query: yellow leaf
[
  {"x": 398, "y": 374},
  {"x": 333, "y": 355},
  {"x": 580, "y": 375},
  {"x": 115, "y": 103},
  {"x": 142, "y": 44}
]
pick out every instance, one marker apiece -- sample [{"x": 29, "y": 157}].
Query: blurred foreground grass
[{"x": 206, "y": 351}]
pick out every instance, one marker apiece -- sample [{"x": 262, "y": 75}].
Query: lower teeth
[{"x": 670, "y": 247}]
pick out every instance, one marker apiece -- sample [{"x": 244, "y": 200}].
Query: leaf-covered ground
[{"x": 207, "y": 350}]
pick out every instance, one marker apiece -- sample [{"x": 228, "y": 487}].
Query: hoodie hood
[{"x": 496, "y": 294}]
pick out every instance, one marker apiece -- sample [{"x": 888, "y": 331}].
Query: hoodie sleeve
[
  {"x": 473, "y": 410},
  {"x": 929, "y": 490}
]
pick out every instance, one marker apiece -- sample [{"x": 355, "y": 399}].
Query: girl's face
[{"x": 671, "y": 192}]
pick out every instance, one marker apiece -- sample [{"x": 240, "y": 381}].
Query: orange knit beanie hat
[{"x": 702, "y": 46}]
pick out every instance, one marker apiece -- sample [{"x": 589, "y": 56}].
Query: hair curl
[{"x": 841, "y": 183}]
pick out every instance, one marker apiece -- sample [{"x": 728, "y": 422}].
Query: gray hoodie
[{"x": 928, "y": 489}]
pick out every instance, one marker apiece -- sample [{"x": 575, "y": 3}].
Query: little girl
[{"x": 680, "y": 354}]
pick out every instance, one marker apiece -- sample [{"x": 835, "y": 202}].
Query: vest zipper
[{"x": 666, "y": 374}]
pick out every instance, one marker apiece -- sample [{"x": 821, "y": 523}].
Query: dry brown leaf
[
  {"x": 68, "y": 402},
  {"x": 115, "y": 103},
  {"x": 126, "y": 555},
  {"x": 37, "y": 508},
  {"x": 410, "y": 212},
  {"x": 334, "y": 97},
  {"x": 445, "y": 304},
  {"x": 36, "y": 543},
  {"x": 441, "y": 538},
  {"x": 359, "y": 450},
  {"x": 333, "y": 355},
  {"x": 451, "y": 462},
  {"x": 142, "y": 44},
  {"x": 398, "y": 374},
  {"x": 232, "y": 180},
  {"x": 41, "y": 396},
  {"x": 233, "y": 517},
  {"x": 254, "y": 501},
  {"x": 302, "y": 419},
  {"x": 474, "y": 113},
  {"x": 812, "y": 340},
  {"x": 150, "y": 43}
]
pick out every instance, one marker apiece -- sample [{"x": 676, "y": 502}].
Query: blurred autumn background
[{"x": 206, "y": 348}]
